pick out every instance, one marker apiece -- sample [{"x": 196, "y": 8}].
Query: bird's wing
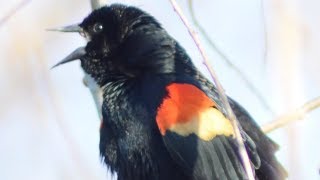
[
  {"x": 270, "y": 168},
  {"x": 198, "y": 136}
]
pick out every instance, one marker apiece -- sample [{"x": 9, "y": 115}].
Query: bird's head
[{"x": 123, "y": 41}]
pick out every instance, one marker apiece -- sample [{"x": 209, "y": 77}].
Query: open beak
[
  {"x": 75, "y": 55},
  {"x": 71, "y": 28}
]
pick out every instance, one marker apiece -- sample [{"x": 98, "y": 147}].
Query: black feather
[{"x": 134, "y": 59}]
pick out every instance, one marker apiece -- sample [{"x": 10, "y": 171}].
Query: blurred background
[{"x": 48, "y": 121}]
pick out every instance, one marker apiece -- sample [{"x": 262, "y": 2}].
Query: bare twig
[
  {"x": 230, "y": 114},
  {"x": 244, "y": 78},
  {"x": 265, "y": 32},
  {"x": 296, "y": 115},
  {"x": 96, "y": 92},
  {"x": 95, "y": 4},
  {"x": 88, "y": 80},
  {"x": 14, "y": 10}
]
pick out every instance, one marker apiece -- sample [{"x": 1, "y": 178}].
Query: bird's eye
[{"x": 97, "y": 28}]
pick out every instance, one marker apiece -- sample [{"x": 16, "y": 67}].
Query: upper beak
[
  {"x": 71, "y": 28},
  {"x": 75, "y": 55}
]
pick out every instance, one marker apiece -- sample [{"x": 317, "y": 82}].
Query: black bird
[{"x": 162, "y": 119}]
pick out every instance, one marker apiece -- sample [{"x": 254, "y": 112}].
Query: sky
[{"x": 49, "y": 127}]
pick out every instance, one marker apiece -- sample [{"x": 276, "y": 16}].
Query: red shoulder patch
[{"x": 184, "y": 101}]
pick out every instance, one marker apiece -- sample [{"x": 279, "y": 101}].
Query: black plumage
[{"x": 134, "y": 60}]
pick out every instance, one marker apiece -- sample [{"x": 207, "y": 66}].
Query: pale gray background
[{"x": 48, "y": 121}]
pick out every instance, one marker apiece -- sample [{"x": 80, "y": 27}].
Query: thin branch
[
  {"x": 88, "y": 80},
  {"x": 13, "y": 11},
  {"x": 95, "y": 4},
  {"x": 296, "y": 115},
  {"x": 95, "y": 91},
  {"x": 244, "y": 78},
  {"x": 230, "y": 114},
  {"x": 265, "y": 33}
]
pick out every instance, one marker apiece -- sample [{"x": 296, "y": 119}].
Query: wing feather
[{"x": 198, "y": 136}]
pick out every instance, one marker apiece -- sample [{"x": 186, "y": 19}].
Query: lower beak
[{"x": 75, "y": 55}]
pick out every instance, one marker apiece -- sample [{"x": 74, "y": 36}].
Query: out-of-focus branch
[
  {"x": 296, "y": 115},
  {"x": 230, "y": 114},
  {"x": 95, "y": 4},
  {"x": 244, "y": 78},
  {"x": 265, "y": 33},
  {"x": 13, "y": 11},
  {"x": 88, "y": 80}
]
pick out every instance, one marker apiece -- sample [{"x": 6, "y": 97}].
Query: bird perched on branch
[{"x": 162, "y": 119}]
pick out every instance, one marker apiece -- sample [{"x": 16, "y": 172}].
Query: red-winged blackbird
[{"x": 162, "y": 119}]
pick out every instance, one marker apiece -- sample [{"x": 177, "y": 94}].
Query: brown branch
[
  {"x": 13, "y": 11},
  {"x": 230, "y": 114},
  {"x": 244, "y": 78},
  {"x": 293, "y": 116}
]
